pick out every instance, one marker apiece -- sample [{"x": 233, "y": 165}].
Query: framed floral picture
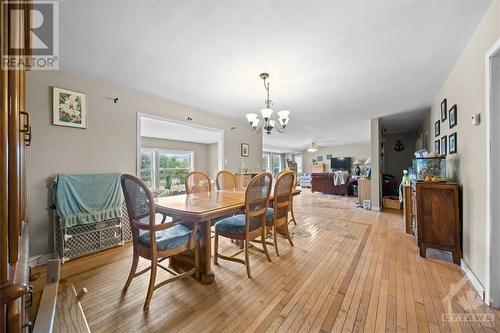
[
  {"x": 245, "y": 149},
  {"x": 453, "y": 116},
  {"x": 69, "y": 108},
  {"x": 437, "y": 128}
]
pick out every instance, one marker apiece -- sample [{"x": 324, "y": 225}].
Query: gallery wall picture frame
[
  {"x": 245, "y": 150},
  {"x": 437, "y": 146},
  {"x": 453, "y": 143},
  {"x": 69, "y": 108},
  {"x": 437, "y": 128},
  {"x": 444, "y": 145},
  {"x": 319, "y": 158},
  {"x": 444, "y": 110},
  {"x": 453, "y": 116},
  {"x": 329, "y": 156}
]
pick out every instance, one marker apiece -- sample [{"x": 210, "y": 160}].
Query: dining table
[{"x": 199, "y": 209}]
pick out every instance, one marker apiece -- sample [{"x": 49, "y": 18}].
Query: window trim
[{"x": 156, "y": 161}]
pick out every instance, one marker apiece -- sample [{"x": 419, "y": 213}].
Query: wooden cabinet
[
  {"x": 364, "y": 190},
  {"x": 15, "y": 134},
  {"x": 242, "y": 179},
  {"x": 436, "y": 209}
]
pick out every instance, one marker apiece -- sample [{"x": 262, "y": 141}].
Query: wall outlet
[{"x": 475, "y": 119}]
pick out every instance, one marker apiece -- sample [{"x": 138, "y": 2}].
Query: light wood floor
[{"x": 350, "y": 270}]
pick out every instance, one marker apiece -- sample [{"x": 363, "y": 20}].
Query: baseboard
[
  {"x": 40, "y": 259},
  {"x": 476, "y": 283},
  {"x": 375, "y": 208}
]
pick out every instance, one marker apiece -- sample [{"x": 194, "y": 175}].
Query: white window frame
[{"x": 156, "y": 161}]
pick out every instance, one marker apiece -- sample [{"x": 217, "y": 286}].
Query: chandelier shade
[{"x": 269, "y": 119}]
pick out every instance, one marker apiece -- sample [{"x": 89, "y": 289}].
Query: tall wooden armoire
[{"x": 15, "y": 135}]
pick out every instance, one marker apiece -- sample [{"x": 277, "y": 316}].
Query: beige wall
[
  {"x": 109, "y": 142},
  {"x": 356, "y": 151},
  {"x": 465, "y": 87},
  {"x": 201, "y": 151}
]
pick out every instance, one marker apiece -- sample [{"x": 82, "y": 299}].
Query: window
[
  {"x": 266, "y": 159},
  {"x": 164, "y": 170},
  {"x": 277, "y": 167},
  {"x": 298, "y": 159}
]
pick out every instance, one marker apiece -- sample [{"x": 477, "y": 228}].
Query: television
[{"x": 340, "y": 163}]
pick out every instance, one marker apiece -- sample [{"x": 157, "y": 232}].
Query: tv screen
[{"x": 340, "y": 163}]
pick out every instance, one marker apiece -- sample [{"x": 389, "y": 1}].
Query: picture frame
[
  {"x": 444, "y": 110},
  {"x": 437, "y": 146},
  {"x": 444, "y": 145},
  {"x": 69, "y": 108},
  {"x": 453, "y": 116},
  {"x": 329, "y": 157},
  {"x": 437, "y": 128},
  {"x": 245, "y": 149},
  {"x": 319, "y": 158},
  {"x": 453, "y": 143}
]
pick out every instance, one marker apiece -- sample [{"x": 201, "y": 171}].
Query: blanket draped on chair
[{"x": 88, "y": 198}]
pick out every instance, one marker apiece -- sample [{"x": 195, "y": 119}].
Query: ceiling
[
  {"x": 169, "y": 130},
  {"x": 403, "y": 122},
  {"x": 334, "y": 64}
]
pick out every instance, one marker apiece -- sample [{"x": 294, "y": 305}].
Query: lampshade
[
  {"x": 251, "y": 117},
  {"x": 368, "y": 161},
  {"x": 266, "y": 113},
  {"x": 357, "y": 162},
  {"x": 271, "y": 123},
  {"x": 255, "y": 123},
  {"x": 283, "y": 114}
]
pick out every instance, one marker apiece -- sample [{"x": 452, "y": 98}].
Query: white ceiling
[
  {"x": 162, "y": 129},
  {"x": 335, "y": 64}
]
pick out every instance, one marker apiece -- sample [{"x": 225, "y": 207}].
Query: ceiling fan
[{"x": 314, "y": 147}]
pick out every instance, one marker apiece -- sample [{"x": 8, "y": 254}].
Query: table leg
[{"x": 207, "y": 276}]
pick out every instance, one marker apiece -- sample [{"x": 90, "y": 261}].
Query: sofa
[
  {"x": 305, "y": 180},
  {"x": 324, "y": 182}
]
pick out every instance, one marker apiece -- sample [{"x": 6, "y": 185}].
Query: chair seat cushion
[
  {"x": 236, "y": 224},
  {"x": 170, "y": 238}
]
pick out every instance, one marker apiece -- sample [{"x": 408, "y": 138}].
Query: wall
[
  {"x": 397, "y": 161},
  {"x": 375, "y": 133},
  {"x": 212, "y": 160},
  {"x": 109, "y": 142},
  {"x": 356, "y": 151},
  {"x": 201, "y": 151},
  {"x": 495, "y": 182},
  {"x": 465, "y": 87}
]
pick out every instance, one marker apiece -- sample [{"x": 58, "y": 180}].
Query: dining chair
[
  {"x": 249, "y": 226},
  {"x": 155, "y": 240},
  {"x": 225, "y": 180},
  {"x": 197, "y": 182},
  {"x": 277, "y": 216},
  {"x": 291, "y": 200}
]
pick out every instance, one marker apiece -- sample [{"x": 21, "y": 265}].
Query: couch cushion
[
  {"x": 236, "y": 224},
  {"x": 170, "y": 238}
]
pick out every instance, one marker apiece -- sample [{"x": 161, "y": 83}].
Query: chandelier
[{"x": 269, "y": 119}]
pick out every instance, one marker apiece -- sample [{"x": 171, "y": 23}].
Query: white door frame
[
  {"x": 220, "y": 141},
  {"x": 494, "y": 51}
]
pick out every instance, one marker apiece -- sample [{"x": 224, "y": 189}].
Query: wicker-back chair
[
  {"x": 152, "y": 240},
  {"x": 249, "y": 226},
  {"x": 225, "y": 180},
  {"x": 277, "y": 219},
  {"x": 197, "y": 182}
]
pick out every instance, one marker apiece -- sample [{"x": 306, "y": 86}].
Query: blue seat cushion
[
  {"x": 236, "y": 224},
  {"x": 270, "y": 213},
  {"x": 166, "y": 239}
]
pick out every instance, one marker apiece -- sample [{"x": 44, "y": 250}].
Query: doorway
[{"x": 493, "y": 164}]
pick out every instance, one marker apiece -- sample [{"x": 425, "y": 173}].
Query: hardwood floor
[{"x": 350, "y": 270}]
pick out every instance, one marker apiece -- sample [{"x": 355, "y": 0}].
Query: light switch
[{"x": 475, "y": 119}]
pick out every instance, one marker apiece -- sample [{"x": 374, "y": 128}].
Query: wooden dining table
[{"x": 200, "y": 209}]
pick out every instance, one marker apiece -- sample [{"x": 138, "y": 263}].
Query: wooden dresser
[{"x": 435, "y": 213}]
